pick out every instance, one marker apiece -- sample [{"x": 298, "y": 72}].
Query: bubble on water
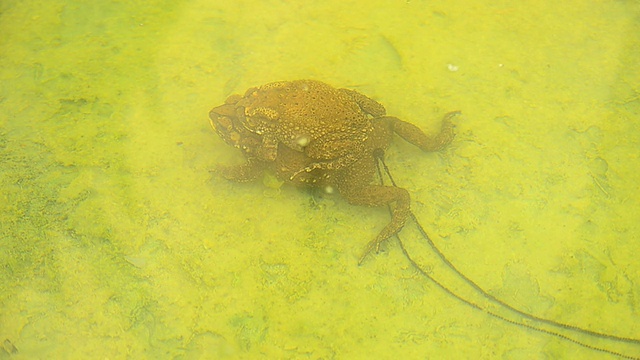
[{"x": 303, "y": 140}]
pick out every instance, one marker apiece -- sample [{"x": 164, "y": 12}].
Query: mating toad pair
[{"x": 311, "y": 134}]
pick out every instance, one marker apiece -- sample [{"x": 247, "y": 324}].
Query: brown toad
[
  {"x": 312, "y": 134},
  {"x": 328, "y": 124}
]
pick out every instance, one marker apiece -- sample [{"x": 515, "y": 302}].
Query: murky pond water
[{"x": 116, "y": 240}]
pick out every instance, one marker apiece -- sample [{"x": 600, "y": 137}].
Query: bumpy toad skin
[
  {"x": 310, "y": 134},
  {"x": 328, "y": 124}
]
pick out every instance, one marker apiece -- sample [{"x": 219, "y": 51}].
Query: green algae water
[{"x": 116, "y": 240}]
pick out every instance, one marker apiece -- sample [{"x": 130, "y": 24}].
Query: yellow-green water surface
[{"x": 117, "y": 242}]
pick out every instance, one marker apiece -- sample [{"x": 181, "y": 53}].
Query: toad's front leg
[
  {"x": 333, "y": 152},
  {"x": 248, "y": 171}
]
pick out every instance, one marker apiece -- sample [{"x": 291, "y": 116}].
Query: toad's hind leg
[
  {"x": 375, "y": 195},
  {"x": 417, "y": 137}
]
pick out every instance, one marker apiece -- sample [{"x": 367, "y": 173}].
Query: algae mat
[{"x": 117, "y": 242}]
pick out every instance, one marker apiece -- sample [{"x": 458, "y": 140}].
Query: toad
[{"x": 311, "y": 134}]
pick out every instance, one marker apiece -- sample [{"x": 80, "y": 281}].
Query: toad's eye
[{"x": 223, "y": 122}]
